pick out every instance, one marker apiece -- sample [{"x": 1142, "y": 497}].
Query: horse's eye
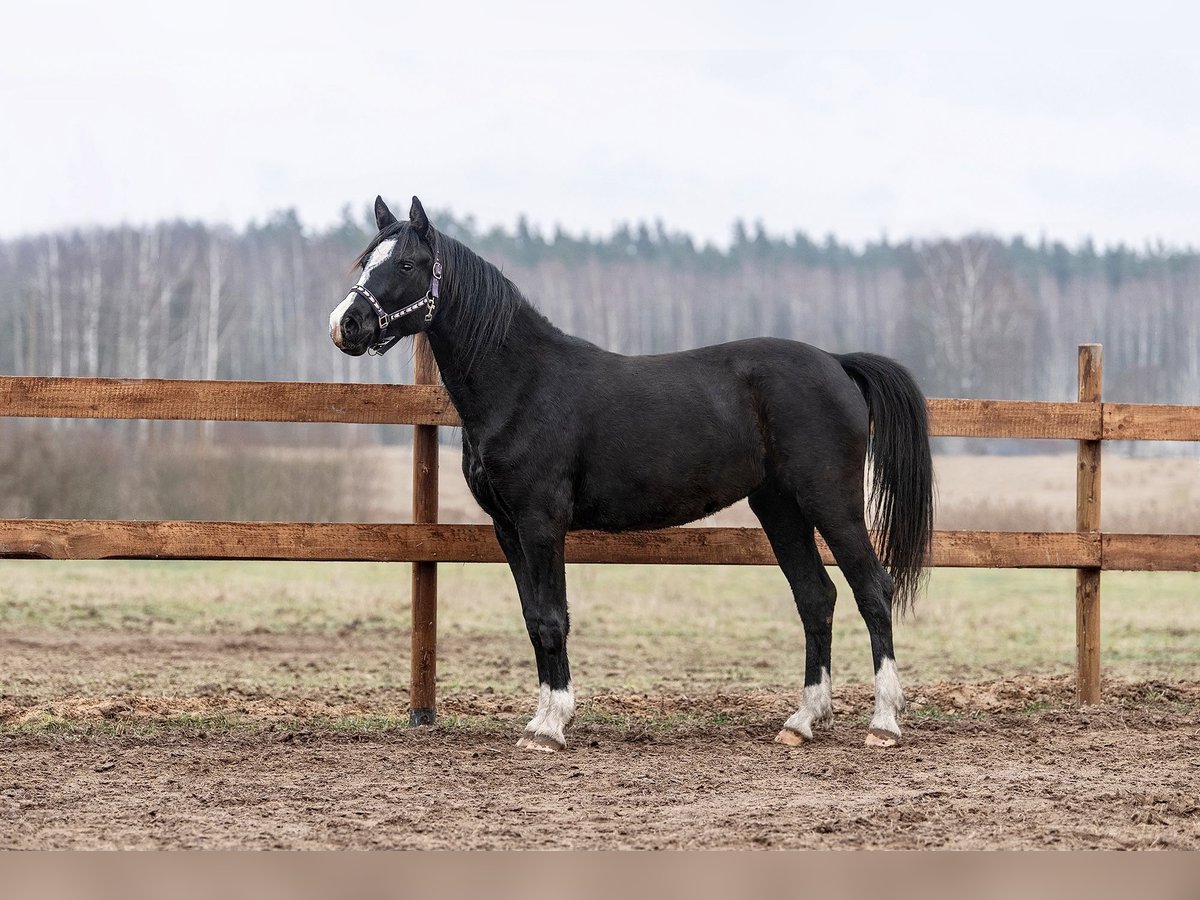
[{"x": 406, "y": 265}]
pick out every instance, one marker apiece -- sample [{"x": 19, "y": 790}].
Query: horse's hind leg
[
  {"x": 792, "y": 538},
  {"x": 848, "y": 539}
]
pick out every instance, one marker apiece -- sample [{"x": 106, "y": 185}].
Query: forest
[{"x": 976, "y": 316}]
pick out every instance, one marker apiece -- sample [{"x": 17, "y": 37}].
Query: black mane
[{"x": 480, "y": 300}]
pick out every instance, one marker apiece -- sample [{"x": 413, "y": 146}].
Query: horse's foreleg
[
  {"x": 510, "y": 543},
  {"x": 544, "y": 605}
]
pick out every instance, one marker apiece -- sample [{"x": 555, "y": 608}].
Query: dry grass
[
  {"x": 89, "y": 473},
  {"x": 673, "y": 630},
  {"x": 989, "y": 493},
  {"x": 85, "y": 472},
  {"x": 1037, "y": 493}
]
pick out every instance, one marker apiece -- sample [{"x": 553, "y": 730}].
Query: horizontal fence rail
[
  {"x": 226, "y": 401},
  {"x": 426, "y": 542},
  {"x": 427, "y": 404},
  {"x": 1015, "y": 419},
  {"x": 1150, "y": 422},
  {"x": 450, "y": 543}
]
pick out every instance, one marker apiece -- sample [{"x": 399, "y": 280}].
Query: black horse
[{"x": 559, "y": 434}]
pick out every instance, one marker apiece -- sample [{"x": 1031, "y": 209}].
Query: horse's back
[
  {"x": 789, "y": 384},
  {"x": 673, "y": 437}
]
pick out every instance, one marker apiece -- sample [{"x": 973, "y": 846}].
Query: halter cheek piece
[{"x": 430, "y": 300}]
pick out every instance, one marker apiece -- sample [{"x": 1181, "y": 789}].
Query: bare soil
[
  {"x": 225, "y": 705},
  {"x": 997, "y": 764}
]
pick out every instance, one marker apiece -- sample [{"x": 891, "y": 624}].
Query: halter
[{"x": 430, "y": 300}]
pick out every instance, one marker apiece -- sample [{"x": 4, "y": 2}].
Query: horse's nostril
[{"x": 349, "y": 327}]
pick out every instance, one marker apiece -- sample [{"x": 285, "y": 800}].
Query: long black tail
[{"x": 901, "y": 469}]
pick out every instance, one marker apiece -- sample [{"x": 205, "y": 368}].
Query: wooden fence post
[
  {"x": 1087, "y": 519},
  {"x": 422, "y": 699}
]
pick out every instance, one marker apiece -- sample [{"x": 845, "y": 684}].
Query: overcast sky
[{"x": 911, "y": 119}]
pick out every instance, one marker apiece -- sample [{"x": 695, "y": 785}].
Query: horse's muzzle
[{"x": 348, "y": 331}]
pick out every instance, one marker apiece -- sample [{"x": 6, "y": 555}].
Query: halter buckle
[{"x": 382, "y": 347}]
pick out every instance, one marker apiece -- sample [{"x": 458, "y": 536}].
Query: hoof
[
  {"x": 540, "y": 742},
  {"x": 790, "y": 738},
  {"x": 877, "y": 737}
]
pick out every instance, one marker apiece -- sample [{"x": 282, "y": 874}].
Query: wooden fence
[{"x": 425, "y": 542}]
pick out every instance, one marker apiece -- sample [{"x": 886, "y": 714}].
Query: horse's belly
[{"x": 649, "y": 495}]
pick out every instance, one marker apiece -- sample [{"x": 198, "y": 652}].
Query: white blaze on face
[
  {"x": 377, "y": 258},
  {"x": 335, "y": 318},
  {"x": 817, "y": 708},
  {"x": 889, "y": 698}
]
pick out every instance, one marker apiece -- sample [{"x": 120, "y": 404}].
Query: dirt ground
[
  {"x": 1000, "y": 764},
  {"x": 254, "y": 705}
]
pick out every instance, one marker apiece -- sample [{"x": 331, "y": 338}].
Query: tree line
[{"x": 972, "y": 317}]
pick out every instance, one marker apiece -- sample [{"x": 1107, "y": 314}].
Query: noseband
[{"x": 430, "y": 301}]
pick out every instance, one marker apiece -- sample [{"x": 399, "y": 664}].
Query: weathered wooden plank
[
  {"x": 1151, "y": 552},
  {"x": 1014, "y": 549},
  {"x": 1014, "y": 419},
  {"x": 82, "y": 539},
  {"x": 1151, "y": 422},
  {"x": 1087, "y": 521},
  {"x": 92, "y": 539},
  {"x": 422, "y": 687},
  {"x": 429, "y": 404},
  {"x": 225, "y": 401},
  {"x": 111, "y": 539},
  {"x": 106, "y": 539}
]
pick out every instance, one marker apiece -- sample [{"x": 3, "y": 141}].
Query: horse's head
[{"x": 398, "y": 290}]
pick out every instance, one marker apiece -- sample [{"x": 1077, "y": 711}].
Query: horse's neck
[{"x": 484, "y": 387}]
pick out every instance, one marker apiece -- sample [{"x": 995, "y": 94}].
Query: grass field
[{"x": 671, "y": 630}]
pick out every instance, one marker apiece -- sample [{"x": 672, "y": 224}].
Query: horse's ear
[
  {"x": 383, "y": 215},
  {"x": 418, "y": 219}
]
